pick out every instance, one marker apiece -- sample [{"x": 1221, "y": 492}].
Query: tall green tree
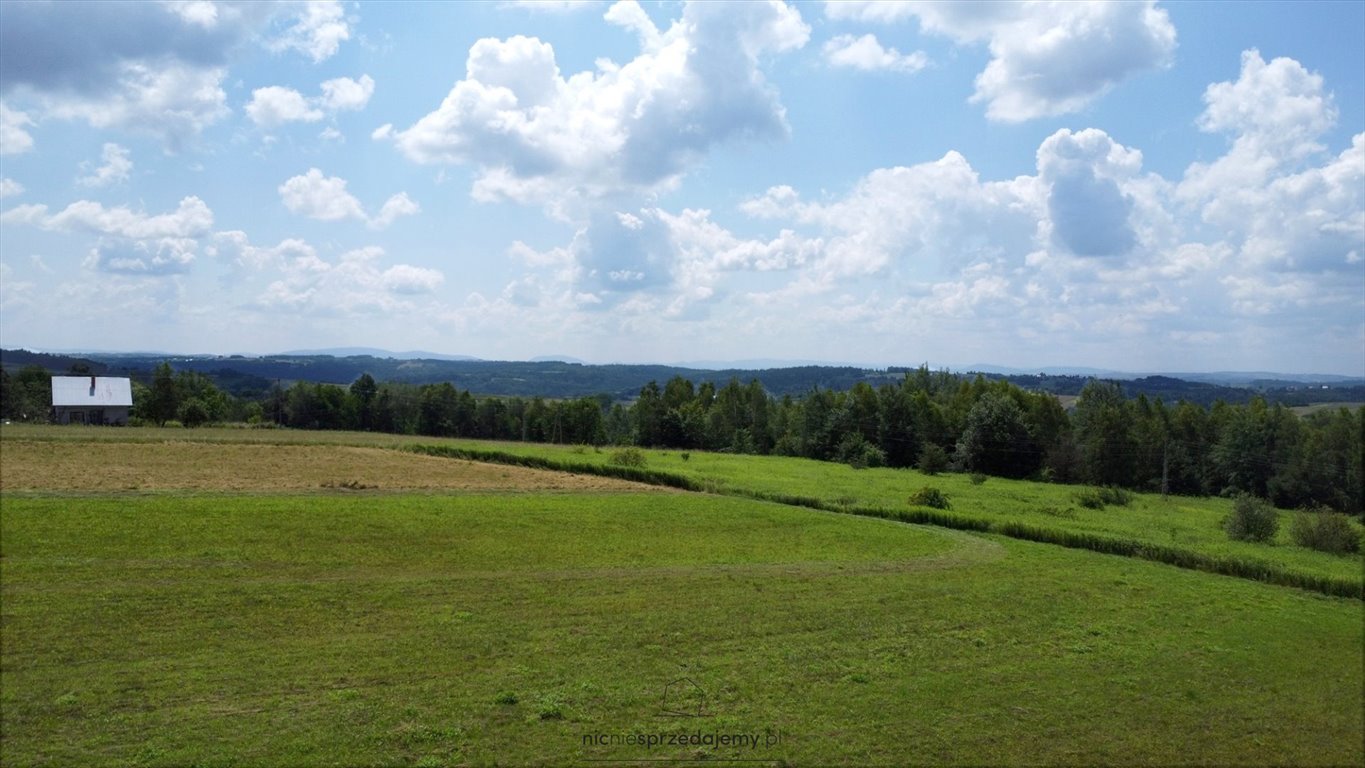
[
  {"x": 163, "y": 401},
  {"x": 996, "y": 439},
  {"x": 1104, "y": 434},
  {"x": 363, "y": 392},
  {"x": 649, "y": 415}
]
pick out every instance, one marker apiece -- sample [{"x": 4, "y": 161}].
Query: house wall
[{"x": 79, "y": 414}]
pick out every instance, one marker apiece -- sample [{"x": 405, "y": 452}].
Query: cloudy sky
[{"x": 1129, "y": 185}]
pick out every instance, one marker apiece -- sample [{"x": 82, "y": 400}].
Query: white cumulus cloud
[
  {"x": 316, "y": 28},
  {"x": 1047, "y": 58},
  {"x": 535, "y": 133},
  {"x": 191, "y": 219},
  {"x": 407, "y": 279},
  {"x": 320, "y": 197},
  {"x": 128, "y": 242},
  {"x": 175, "y": 103},
  {"x": 343, "y": 93},
  {"x": 117, "y": 165},
  {"x": 326, "y": 198},
  {"x": 14, "y": 136},
  {"x": 275, "y": 105},
  {"x": 867, "y": 54}
]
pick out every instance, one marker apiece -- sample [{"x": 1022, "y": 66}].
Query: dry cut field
[{"x": 37, "y": 465}]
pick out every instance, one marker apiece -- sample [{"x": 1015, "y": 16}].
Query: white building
[{"x": 91, "y": 399}]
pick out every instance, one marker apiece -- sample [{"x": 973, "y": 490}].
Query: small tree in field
[
  {"x": 193, "y": 412},
  {"x": 929, "y": 496},
  {"x": 1325, "y": 531},
  {"x": 933, "y": 459},
  {"x": 1251, "y": 519}
]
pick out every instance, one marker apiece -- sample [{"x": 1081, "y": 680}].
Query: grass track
[{"x": 384, "y": 629}]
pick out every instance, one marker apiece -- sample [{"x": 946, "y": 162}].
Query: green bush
[
  {"x": 859, "y": 453},
  {"x": 867, "y": 456},
  {"x": 978, "y": 478},
  {"x": 628, "y": 457},
  {"x": 1099, "y": 498},
  {"x": 1325, "y": 531},
  {"x": 1115, "y": 495},
  {"x": 1251, "y": 519},
  {"x": 929, "y": 496},
  {"x": 193, "y": 413},
  {"x": 932, "y": 459},
  {"x": 550, "y": 707}
]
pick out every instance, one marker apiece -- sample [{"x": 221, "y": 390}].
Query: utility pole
[{"x": 1165, "y": 468}]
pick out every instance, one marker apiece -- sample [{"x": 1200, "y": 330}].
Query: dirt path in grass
[{"x": 172, "y": 466}]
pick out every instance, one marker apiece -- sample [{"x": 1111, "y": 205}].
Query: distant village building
[{"x": 91, "y": 399}]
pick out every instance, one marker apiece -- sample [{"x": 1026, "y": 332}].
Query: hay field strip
[{"x": 109, "y": 467}]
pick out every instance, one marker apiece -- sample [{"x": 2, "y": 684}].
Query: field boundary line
[{"x": 1253, "y": 570}]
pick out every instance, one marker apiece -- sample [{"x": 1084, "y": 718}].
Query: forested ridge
[
  {"x": 251, "y": 377},
  {"x": 932, "y": 420}
]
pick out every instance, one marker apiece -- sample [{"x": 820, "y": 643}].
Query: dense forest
[{"x": 935, "y": 421}]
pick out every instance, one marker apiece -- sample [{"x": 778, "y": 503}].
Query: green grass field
[
  {"x": 1178, "y": 522},
  {"x": 514, "y": 628}
]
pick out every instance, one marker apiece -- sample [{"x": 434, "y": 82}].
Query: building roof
[{"x": 92, "y": 391}]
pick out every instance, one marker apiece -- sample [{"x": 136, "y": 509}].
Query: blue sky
[{"x": 1137, "y": 186}]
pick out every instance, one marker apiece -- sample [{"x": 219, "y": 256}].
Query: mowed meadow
[{"x": 273, "y": 597}]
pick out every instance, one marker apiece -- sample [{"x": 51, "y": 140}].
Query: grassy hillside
[
  {"x": 1173, "y": 524},
  {"x": 365, "y": 628}
]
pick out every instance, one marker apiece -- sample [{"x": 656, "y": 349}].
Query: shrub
[
  {"x": 685, "y": 456},
  {"x": 932, "y": 459},
  {"x": 1112, "y": 494},
  {"x": 193, "y": 412},
  {"x": 868, "y": 455},
  {"x": 858, "y": 453},
  {"x": 1251, "y": 519},
  {"x": 1325, "y": 531},
  {"x": 550, "y": 708},
  {"x": 1099, "y": 498},
  {"x": 1090, "y": 498},
  {"x": 978, "y": 478},
  {"x": 628, "y": 457},
  {"x": 929, "y": 496}
]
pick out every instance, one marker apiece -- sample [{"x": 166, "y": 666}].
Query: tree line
[{"x": 931, "y": 420}]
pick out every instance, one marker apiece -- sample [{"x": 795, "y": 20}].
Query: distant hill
[
  {"x": 250, "y": 376},
  {"x": 14, "y": 359},
  {"x": 373, "y": 352}
]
